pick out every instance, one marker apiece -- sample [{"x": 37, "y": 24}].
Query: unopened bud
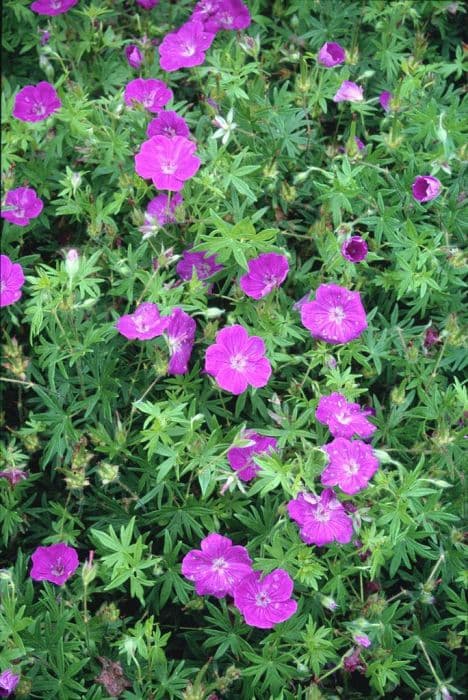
[{"x": 72, "y": 262}]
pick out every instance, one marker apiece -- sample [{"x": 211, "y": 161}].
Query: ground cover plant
[{"x": 233, "y": 349}]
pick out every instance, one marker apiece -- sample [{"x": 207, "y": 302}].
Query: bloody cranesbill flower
[
  {"x": 161, "y": 210},
  {"x": 147, "y": 4},
  {"x": 265, "y": 273},
  {"x": 11, "y": 281},
  {"x": 21, "y": 205},
  {"x": 45, "y": 36},
  {"x": 112, "y": 677},
  {"x": 203, "y": 264},
  {"x": 354, "y": 249},
  {"x": 265, "y": 601},
  {"x": 363, "y": 640},
  {"x": 344, "y": 419},
  {"x": 144, "y": 324},
  {"x": 217, "y": 567},
  {"x": 52, "y": 7},
  {"x": 353, "y": 662},
  {"x": 336, "y": 315},
  {"x": 321, "y": 519},
  {"x": 431, "y": 337},
  {"x": 385, "y": 99},
  {"x": 186, "y": 47},
  {"x": 331, "y": 54},
  {"x": 351, "y": 463},
  {"x": 180, "y": 334},
  {"x": 237, "y": 360},
  {"x": 241, "y": 458},
  {"x": 36, "y": 102},
  {"x": 55, "y": 563},
  {"x": 168, "y": 124},
  {"x": 426, "y": 187},
  {"x": 349, "y": 92},
  {"x": 168, "y": 162},
  {"x": 14, "y": 475},
  {"x": 151, "y": 93},
  {"x": 229, "y": 14},
  {"x": 8, "y": 683},
  {"x": 133, "y": 55}
]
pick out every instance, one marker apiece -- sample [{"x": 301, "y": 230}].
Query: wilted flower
[
  {"x": 363, "y": 640},
  {"x": 353, "y": 662},
  {"x": 112, "y": 677},
  {"x": 45, "y": 36},
  {"x": 344, "y": 419},
  {"x": 36, "y": 102},
  {"x": 265, "y": 601},
  {"x": 21, "y": 205},
  {"x": 151, "y": 93},
  {"x": 225, "y": 127},
  {"x": 11, "y": 281},
  {"x": 14, "y": 475},
  {"x": 186, "y": 47},
  {"x": 349, "y": 92},
  {"x": 55, "y": 563},
  {"x": 426, "y": 187},
  {"x": 133, "y": 55},
  {"x": 431, "y": 337},
  {"x": 385, "y": 99},
  {"x": 180, "y": 334},
  {"x": 331, "y": 55},
  {"x": 237, "y": 360},
  {"x": 8, "y": 683},
  {"x": 168, "y": 162},
  {"x": 160, "y": 211},
  {"x": 241, "y": 458},
  {"x": 336, "y": 315},
  {"x": 265, "y": 273},
  {"x": 218, "y": 567},
  {"x": 321, "y": 519},
  {"x": 354, "y": 249},
  {"x": 202, "y": 263},
  {"x": 169, "y": 124},
  {"x": 351, "y": 464},
  {"x": 52, "y": 7},
  {"x": 144, "y": 324}
]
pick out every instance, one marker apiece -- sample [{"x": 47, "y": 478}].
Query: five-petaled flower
[
  {"x": 351, "y": 465},
  {"x": 344, "y": 419},
  {"x": 11, "y": 281},
  {"x": 241, "y": 459},
  {"x": 144, "y": 324},
  {"x": 151, "y": 93},
  {"x": 201, "y": 263},
  {"x": 168, "y": 162},
  {"x": 336, "y": 315},
  {"x": 21, "y": 205},
  {"x": 331, "y": 54},
  {"x": 34, "y": 103},
  {"x": 265, "y": 273},
  {"x": 321, "y": 520},
  {"x": 265, "y": 601},
  {"x": 55, "y": 563},
  {"x": 52, "y": 7},
  {"x": 168, "y": 123},
  {"x": 186, "y": 47}
]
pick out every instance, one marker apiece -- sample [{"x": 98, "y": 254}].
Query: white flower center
[
  {"x": 149, "y": 99},
  {"x": 39, "y": 109},
  {"x": 188, "y": 49},
  {"x": 140, "y": 324},
  {"x": 344, "y": 418},
  {"x": 226, "y": 19},
  {"x": 219, "y": 564},
  {"x": 238, "y": 362},
  {"x": 58, "y": 568},
  {"x": 352, "y": 467},
  {"x": 322, "y": 514},
  {"x": 337, "y": 314},
  {"x": 262, "y": 600},
  {"x": 168, "y": 167}
]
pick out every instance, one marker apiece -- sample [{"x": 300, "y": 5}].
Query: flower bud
[
  {"x": 133, "y": 55},
  {"x": 72, "y": 262},
  {"x": 89, "y": 570}
]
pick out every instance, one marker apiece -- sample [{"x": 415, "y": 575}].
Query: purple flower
[
  {"x": 133, "y": 55},
  {"x": 426, "y": 187},
  {"x": 237, "y": 360},
  {"x": 152, "y": 94},
  {"x": 265, "y": 601},
  {"x": 349, "y": 92},
  {"x": 351, "y": 464},
  {"x": 385, "y": 99},
  {"x": 45, "y": 36},
  {"x": 321, "y": 519},
  {"x": 360, "y": 144},
  {"x": 331, "y": 55},
  {"x": 168, "y": 124},
  {"x": 186, "y": 47},
  {"x": 202, "y": 263},
  {"x": 8, "y": 683},
  {"x": 354, "y": 249},
  {"x": 218, "y": 567},
  {"x": 353, "y": 662},
  {"x": 431, "y": 337},
  {"x": 11, "y": 281},
  {"x": 144, "y": 324},
  {"x": 241, "y": 458},
  {"x": 180, "y": 334},
  {"x": 52, "y": 7},
  {"x": 265, "y": 273},
  {"x": 36, "y": 102},
  {"x": 227, "y": 14},
  {"x": 21, "y": 205},
  {"x": 336, "y": 315},
  {"x": 55, "y": 563},
  {"x": 168, "y": 162},
  {"x": 14, "y": 475},
  {"x": 160, "y": 209},
  {"x": 363, "y": 640},
  {"x": 147, "y": 4},
  {"x": 343, "y": 419}
]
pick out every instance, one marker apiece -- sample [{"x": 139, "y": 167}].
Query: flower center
[
  {"x": 352, "y": 467},
  {"x": 227, "y": 20},
  {"x": 56, "y": 4},
  {"x": 39, "y": 109},
  {"x": 169, "y": 131},
  {"x": 203, "y": 270},
  {"x": 219, "y": 564},
  {"x": 321, "y": 514},
  {"x": 140, "y": 324},
  {"x": 2, "y": 285},
  {"x": 344, "y": 418},
  {"x": 187, "y": 49},
  {"x": 149, "y": 99},
  {"x": 262, "y": 600},
  {"x": 337, "y": 314},
  {"x": 169, "y": 167},
  {"x": 238, "y": 362},
  {"x": 58, "y": 568}
]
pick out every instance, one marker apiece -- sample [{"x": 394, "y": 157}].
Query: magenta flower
[
  {"x": 161, "y": 210},
  {"x": 168, "y": 124},
  {"x": 36, "y": 102},
  {"x": 168, "y": 162},
  {"x": 363, "y": 640},
  {"x": 344, "y": 419},
  {"x": 349, "y": 92},
  {"x": 144, "y": 324},
  {"x": 321, "y": 520},
  {"x": 52, "y": 7},
  {"x": 331, "y": 55},
  {"x": 11, "y": 281},
  {"x": 218, "y": 567},
  {"x": 360, "y": 144},
  {"x": 384, "y": 99},
  {"x": 426, "y": 187},
  {"x": 230, "y": 15},
  {"x": 354, "y": 249},
  {"x": 147, "y": 4},
  {"x": 14, "y": 475},
  {"x": 237, "y": 360},
  {"x": 133, "y": 55},
  {"x": 152, "y": 94},
  {"x": 431, "y": 337},
  {"x": 21, "y": 205},
  {"x": 55, "y": 563},
  {"x": 186, "y": 47},
  {"x": 8, "y": 683},
  {"x": 241, "y": 459},
  {"x": 205, "y": 10},
  {"x": 351, "y": 463},
  {"x": 203, "y": 264},
  {"x": 45, "y": 36},
  {"x": 336, "y": 315},
  {"x": 265, "y": 601},
  {"x": 180, "y": 334},
  {"x": 265, "y": 273}
]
